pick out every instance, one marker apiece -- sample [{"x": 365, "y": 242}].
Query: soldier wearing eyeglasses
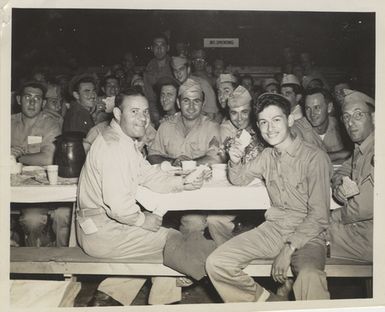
[
  {"x": 33, "y": 132},
  {"x": 351, "y": 229}
]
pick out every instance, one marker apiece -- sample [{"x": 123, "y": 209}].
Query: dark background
[{"x": 91, "y": 37}]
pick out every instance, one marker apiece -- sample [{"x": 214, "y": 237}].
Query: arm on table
[
  {"x": 43, "y": 158},
  {"x": 158, "y": 159}
]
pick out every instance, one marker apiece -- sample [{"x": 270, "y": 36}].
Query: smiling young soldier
[
  {"x": 297, "y": 178},
  {"x": 182, "y": 71},
  {"x": 79, "y": 116},
  {"x": 239, "y": 105},
  {"x": 318, "y": 127}
]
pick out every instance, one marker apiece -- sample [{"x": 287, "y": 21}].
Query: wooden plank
[
  {"x": 72, "y": 260},
  {"x": 76, "y": 254},
  {"x": 129, "y": 269},
  {"x": 71, "y": 254},
  {"x": 150, "y": 269}
]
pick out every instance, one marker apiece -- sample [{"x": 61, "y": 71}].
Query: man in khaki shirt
[
  {"x": 318, "y": 127},
  {"x": 239, "y": 106},
  {"x": 189, "y": 135},
  {"x": 297, "y": 177},
  {"x": 33, "y": 132},
  {"x": 351, "y": 229},
  {"x": 182, "y": 71},
  {"x": 109, "y": 222}
]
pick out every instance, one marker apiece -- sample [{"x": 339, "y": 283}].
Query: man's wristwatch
[{"x": 291, "y": 246}]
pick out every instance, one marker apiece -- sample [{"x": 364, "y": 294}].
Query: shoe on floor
[
  {"x": 100, "y": 299},
  {"x": 183, "y": 281},
  {"x": 274, "y": 297}
]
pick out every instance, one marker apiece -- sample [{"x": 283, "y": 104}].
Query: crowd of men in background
[{"x": 177, "y": 110}]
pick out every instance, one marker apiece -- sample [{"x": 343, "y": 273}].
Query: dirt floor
[{"x": 203, "y": 291}]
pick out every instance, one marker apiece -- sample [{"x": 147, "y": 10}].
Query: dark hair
[
  {"x": 127, "y": 92},
  {"x": 159, "y": 36},
  {"x": 296, "y": 88},
  {"x": 203, "y": 96},
  {"x": 326, "y": 94},
  {"x": 165, "y": 81},
  {"x": 83, "y": 79},
  {"x": 35, "y": 85},
  {"x": 272, "y": 99},
  {"x": 247, "y": 77},
  {"x": 104, "y": 81}
]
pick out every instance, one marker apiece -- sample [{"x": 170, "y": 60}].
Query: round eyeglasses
[{"x": 357, "y": 115}]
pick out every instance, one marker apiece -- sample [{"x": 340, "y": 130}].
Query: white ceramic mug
[
  {"x": 189, "y": 165},
  {"x": 52, "y": 171},
  {"x": 219, "y": 171}
]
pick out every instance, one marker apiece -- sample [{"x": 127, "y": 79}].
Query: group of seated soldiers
[{"x": 173, "y": 114}]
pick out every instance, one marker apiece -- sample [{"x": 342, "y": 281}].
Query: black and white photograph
[{"x": 174, "y": 156}]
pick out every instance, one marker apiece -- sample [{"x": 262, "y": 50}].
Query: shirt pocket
[
  {"x": 297, "y": 186},
  {"x": 296, "y": 180},
  {"x": 195, "y": 150}
]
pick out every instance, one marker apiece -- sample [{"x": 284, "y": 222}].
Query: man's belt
[{"x": 89, "y": 212}]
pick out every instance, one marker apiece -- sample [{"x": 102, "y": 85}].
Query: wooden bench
[{"x": 72, "y": 261}]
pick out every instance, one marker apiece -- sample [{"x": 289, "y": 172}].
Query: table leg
[{"x": 72, "y": 240}]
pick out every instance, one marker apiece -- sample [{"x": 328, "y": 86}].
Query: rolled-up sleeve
[{"x": 317, "y": 219}]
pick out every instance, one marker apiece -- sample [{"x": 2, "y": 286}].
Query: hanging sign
[{"x": 221, "y": 42}]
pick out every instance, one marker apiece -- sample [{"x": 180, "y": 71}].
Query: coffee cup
[
  {"x": 52, "y": 172},
  {"x": 219, "y": 171},
  {"x": 189, "y": 165}
]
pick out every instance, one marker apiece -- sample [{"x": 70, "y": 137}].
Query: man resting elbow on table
[
  {"x": 33, "y": 132},
  {"x": 188, "y": 136},
  {"x": 297, "y": 178},
  {"x": 109, "y": 222}
]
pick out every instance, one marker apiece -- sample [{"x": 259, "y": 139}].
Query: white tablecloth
[
  {"x": 214, "y": 195},
  {"x": 43, "y": 193}
]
